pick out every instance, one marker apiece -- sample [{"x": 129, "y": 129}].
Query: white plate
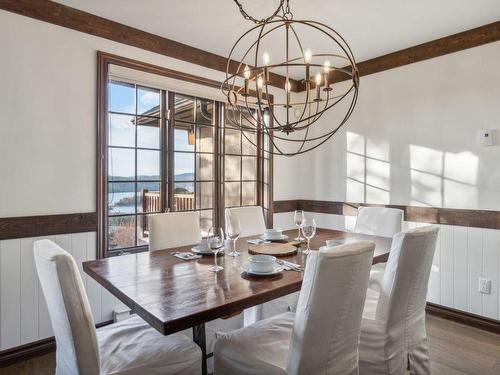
[
  {"x": 209, "y": 252},
  {"x": 277, "y": 269},
  {"x": 283, "y": 238}
]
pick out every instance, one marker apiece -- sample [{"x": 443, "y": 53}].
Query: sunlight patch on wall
[
  {"x": 368, "y": 170},
  {"x": 442, "y": 178}
]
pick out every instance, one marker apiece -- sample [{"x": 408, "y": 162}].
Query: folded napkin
[
  {"x": 291, "y": 265},
  {"x": 186, "y": 255},
  {"x": 257, "y": 241}
]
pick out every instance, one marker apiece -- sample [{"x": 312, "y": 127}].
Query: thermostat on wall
[{"x": 485, "y": 138}]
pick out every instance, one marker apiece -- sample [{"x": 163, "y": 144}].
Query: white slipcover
[
  {"x": 173, "y": 229},
  {"x": 251, "y": 219},
  {"x": 379, "y": 221},
  {"x": 322, "y": 336},
  {"x": 252, "y": 224},
  {"x": 129, "y": 347},
  {"x": 393, "y": 326}
]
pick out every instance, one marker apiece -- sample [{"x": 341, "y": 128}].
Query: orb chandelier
[{"x": 274, "y": 51}]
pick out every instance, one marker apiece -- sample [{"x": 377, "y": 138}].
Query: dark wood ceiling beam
[
  {"x": 439, "y": 47},
  {"x": 65, "y": 16}
]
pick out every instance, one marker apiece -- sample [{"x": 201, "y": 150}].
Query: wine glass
[
  {"x": 233, "y": 230},
  {"x": 215, "y": 242},
  {"x": 308, "y": 230},
  {"x": 298, "y": 219}
]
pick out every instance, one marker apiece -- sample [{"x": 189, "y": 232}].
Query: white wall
[
  {"x": 412, "y": 141},
  {"x": 412, "y": 137},
  {"x": 47, "y": 155},
  {"x": 48, "y": 122}
]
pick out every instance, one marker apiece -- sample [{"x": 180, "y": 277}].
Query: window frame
[{"x": 167, "y": 128}]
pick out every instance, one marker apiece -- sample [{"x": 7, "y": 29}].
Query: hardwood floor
[{"x": 455, "y": 350}]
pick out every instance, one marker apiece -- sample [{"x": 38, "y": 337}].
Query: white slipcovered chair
[
  {"x": 393, "y": 335},
  {"x": 322, "y": 336},
  {"x": 251, "y": 219},
  {"x": 176, "y": 229},
  {"x": 130, "y": 347},
  {"x": 379, "y": 221},
  {"x": 252, "y": 224}
]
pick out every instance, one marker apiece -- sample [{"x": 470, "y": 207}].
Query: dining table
[{"x": 173, "y": 294}]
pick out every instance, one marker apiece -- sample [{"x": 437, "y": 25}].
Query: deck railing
[{"x": 151, "y": 203}]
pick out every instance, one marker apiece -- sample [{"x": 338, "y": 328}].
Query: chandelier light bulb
[
  {"x": 265, "y": 58},
  {"x": 326, "y": 66},
  {"x": 246, "y": 72},
  {"x": 288, "y": 86},
  {"x": 308, "y": 56},
  {"x": 318, "y": 79},
  {"x": 260, "y": 83}
]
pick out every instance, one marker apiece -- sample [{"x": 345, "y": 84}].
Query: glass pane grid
[{"x": 133, "y": 163}]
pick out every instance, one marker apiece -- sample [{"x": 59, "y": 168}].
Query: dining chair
[
  {"x": 379, "y": 221},
  {"x": 173, "y": 229},
  {"x": 321, "y": 336},
  {"x": 393, "y": 335},
  {"x": 176, "y": 229},
  {"x": 251, "y": 219},
  {"x": 252, "y": 224},
  {"x": 128, "y": 347}
]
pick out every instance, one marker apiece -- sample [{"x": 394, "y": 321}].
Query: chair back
[
  {"x": 251, "y": 219},
  {"x": 69, "y": 310},
  {"x": 173, "y": 229},
  {"x": 379, "y": 221},
  {"x": 404, "y": 287},
  {"x": 327, "y": 325}
]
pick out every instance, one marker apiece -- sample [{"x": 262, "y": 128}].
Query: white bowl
[
  {"x": 262, "y": 263},
  {"x": 273, "y": 234}
]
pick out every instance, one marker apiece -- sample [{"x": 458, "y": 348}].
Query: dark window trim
[{"x": 104, "y": 60}]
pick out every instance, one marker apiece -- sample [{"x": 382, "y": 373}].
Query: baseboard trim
[
  {"x": 466, "y": 318},
  {"x": 33, "y": 349}
]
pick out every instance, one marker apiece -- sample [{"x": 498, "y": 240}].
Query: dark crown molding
[
  {"x": 439, "y": 47},
  {"x": 65, "y": 16}
]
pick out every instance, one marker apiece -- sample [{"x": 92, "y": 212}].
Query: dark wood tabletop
[{"x": 172, "y": 294}]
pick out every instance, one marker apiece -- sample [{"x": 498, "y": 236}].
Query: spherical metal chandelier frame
[{"x": 252, "y": 101}]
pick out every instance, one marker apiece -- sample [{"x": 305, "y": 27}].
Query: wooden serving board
[{"x": 273, "y": 248}]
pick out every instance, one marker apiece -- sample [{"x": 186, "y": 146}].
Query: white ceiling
[{"x": 371, "y": 27}]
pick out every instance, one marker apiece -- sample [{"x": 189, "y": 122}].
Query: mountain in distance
[{"x": 122, "y": 185}]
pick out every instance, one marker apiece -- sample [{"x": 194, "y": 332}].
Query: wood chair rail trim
[{"x": 431, "y": 215}]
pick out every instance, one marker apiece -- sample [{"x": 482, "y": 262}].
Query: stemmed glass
[
  {"x": 215, "y": 242},
  {"x": 233, "y": 230},
  {"x": 298, "y": 219},
  {"x": 308, "y": 230}
]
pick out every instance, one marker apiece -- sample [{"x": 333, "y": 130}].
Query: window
[
  {"x": 168, "y": 151},
  {"x": 133, "y": 154}
]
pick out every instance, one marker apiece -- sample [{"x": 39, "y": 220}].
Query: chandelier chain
[{"x": 248, "y": 17}]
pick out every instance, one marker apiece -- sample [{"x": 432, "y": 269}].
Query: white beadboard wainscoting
[
  {"x": 463, "y": 255},
  {"x": 24, "y": 316}
]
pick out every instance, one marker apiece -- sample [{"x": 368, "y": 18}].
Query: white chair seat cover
[
  {"x": 377, "y": 276},
  {"x": 322, "y": 336},
  {"x": 132, "y": 347},
  {"x": 128, "y": 347},
  {"x": 379, "y": 221},
  {"x": 393, "y": 326},
  {"x": 261, "y": 348}
]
